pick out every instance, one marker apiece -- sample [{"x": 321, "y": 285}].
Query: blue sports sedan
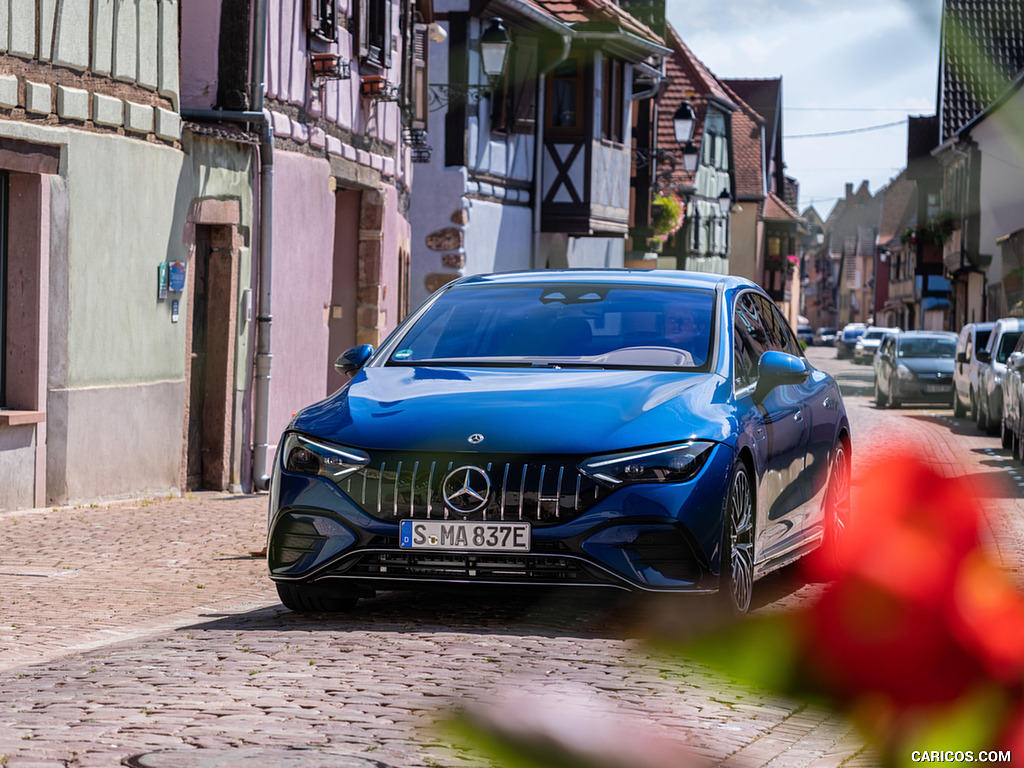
[{"x": 638, "y": 430}]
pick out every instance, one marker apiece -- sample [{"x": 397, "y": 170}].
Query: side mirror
[
  {"x": 351, "y": 360},
  {"x": 776, "y": 369},
  {"x": 961, "y": 357},
  {"x": 983, "y": 356},
  {"x": 1017, "y": 360}
]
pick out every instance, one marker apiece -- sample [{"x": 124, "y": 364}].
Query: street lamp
[
  {"x": 494, "y": 45},
  {"x": 690, "y": 155},
  {"x": 724, "y": 201},
  {"x": 682, "y": 122}
]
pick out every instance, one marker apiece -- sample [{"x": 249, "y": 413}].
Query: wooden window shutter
[
  {"x": 385, "y": 45},
  {"x": 364, "y": 28},
  {"x": 524, "y": 88},
  {"x": 420, "y": 77}
]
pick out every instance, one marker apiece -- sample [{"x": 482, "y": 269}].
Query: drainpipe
[
  {"x": 261, "y": 387},
  {"x": 538, "y": 147}
]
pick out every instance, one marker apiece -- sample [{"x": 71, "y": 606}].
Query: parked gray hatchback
[{"x": 915, "y": 366}]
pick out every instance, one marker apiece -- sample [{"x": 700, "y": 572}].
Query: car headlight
[
  {"x": 314, "y": 457},
  {"x": 669, "y": 464},
  {"x": 904, "y": 373}
]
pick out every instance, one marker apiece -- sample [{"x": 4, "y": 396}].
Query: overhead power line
[{"x": 848, "y": 131}]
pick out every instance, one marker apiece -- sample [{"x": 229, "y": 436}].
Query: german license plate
[
  {"x": 934, "y": 389},
  {"x": 464, "y": 535}
]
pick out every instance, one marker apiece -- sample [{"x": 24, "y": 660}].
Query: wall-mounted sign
[
  {"x": 177, "y": 276},
  {"x": 161, "y": 281}
]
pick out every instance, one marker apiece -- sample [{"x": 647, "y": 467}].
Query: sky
[{"x": 845, "y": 67}]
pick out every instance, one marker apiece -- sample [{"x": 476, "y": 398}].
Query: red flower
[{"x": 918, "y": 614}]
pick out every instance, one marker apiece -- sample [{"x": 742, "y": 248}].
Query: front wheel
[
  {"x": 737, "y": 568},
  {"x": 959, "y": 411},
  {"x": 313, "y": 598},
  {"x": 837, "y": 506},
  {"x": 1005, "y": 435}
]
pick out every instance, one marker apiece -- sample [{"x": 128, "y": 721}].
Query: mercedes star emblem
[
  {"x": 466, "y": 490},
  {"x": 476, "y": 439}
]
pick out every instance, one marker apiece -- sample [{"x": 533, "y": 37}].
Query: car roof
[
  {"x": 661, "y": 277},
  {"x": 923, "y": 334}
]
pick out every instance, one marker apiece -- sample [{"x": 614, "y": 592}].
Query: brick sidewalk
[{"x": 85, "y": 577}]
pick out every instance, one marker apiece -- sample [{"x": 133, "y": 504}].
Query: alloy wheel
[
  {"x": 838, "y": 514},
  {"x": 740, "y": 541}
]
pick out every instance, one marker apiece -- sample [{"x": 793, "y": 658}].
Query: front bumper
[
  {"x": 916, "y": 392},
  {"x": 658, "y": 537}
]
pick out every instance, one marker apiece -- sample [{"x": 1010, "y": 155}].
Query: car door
[
  {"x": 780, "y": 424},
  {"x": 885, "y": 366}
]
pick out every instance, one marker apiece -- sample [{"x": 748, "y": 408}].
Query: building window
[
  {"x": 322, "y": 19},
  {"x": 612, "y": 100},
  {"x": 565, "y": 98},
  {"x": 375, "y": 32}
]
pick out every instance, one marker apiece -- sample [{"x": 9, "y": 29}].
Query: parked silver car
[
  {"x": 867, "y": 345},
  {"x": 973, "y": 337},
  {"x": 992, "y": 369}
]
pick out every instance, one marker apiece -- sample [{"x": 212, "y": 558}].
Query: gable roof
[
  {"x": 775, "y": 209},
  {"x": 747, "y": 150},
  {"x": 981, "y": 51},
  {"x": 899, "y": 209}
]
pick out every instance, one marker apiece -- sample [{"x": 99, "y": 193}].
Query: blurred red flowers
[{"x": 918, "y": 615}]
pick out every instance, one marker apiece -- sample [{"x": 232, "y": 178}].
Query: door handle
[{"x": 798, "y": 416}]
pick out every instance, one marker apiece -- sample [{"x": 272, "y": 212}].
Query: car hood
[
  {"x": 929, "y": 364},
  {"x": 519, "y": 411}
]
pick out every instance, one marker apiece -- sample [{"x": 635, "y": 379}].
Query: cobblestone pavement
[{"x": 147, "y": 632}]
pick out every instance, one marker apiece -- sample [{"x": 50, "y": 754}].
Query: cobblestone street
[{"x": 149, "y": 632}]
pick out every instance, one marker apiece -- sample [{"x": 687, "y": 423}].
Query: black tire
[
  {"x": 312, "y": 598},
  {"x": 982, "y": 418},
  {"x": 959, "y": 411},
  {"x": 974, "y": 408},
  {"x": 1005, "y": 435},
  {"x": 736, "y": 582},
  {"x": 879, "y": 398},
  {"x": 894, "y": 402},
  {"x": 837, "y": 505}
]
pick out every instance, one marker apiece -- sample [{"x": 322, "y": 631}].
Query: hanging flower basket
[
  {"x": 667, "y": 213},
  {"x": 935, "y": 230}
]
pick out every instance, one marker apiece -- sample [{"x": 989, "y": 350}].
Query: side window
[
  {"x": 749, "y": 341},
  {"x": 779, "y": 337}
]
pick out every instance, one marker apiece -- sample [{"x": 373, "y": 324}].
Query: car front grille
[{"x": 542, "y": 492}]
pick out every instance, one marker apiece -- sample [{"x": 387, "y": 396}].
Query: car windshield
[
  {"x": 562, "y": 324},
  {"x": 928, "y": 348},
  {"x": 1006, "y": 345},
  {"x": 982, "y": 339},
  {"x": 873, "y": 335}
]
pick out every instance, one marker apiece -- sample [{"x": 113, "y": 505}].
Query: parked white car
[
  {"x": 867, "y": 345},
  {"x": 992, "y": 369},
  {"x": 973, "y": 337}
]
